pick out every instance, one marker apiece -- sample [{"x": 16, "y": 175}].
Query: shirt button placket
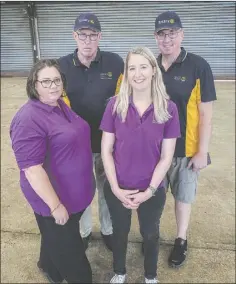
[{"x": 88, "y": 75}]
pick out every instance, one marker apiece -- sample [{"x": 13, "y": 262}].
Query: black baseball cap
[
  {"x": 168, "y": 20},
  {"x": 87, "y": 21}
]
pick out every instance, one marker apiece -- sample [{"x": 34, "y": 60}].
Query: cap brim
[
  {"x": 88, "y": 27},
  {"x": 168, "y": 28}
]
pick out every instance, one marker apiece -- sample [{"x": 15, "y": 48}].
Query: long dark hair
[{"x": 33, "y": 76}]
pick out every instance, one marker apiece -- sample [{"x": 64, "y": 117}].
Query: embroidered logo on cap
[
  {"x": 86, "y": 20},
  {"x": 171, "y": 21}
]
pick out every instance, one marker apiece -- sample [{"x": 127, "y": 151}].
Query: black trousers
[
  {"x": 62, "y": 253},
  {"x": 149, "y": 214}
]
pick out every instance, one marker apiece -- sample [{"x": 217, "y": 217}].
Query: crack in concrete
[{"x": 96, "y": 236}]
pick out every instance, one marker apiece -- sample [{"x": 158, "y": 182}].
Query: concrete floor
[{"x": 211, "y": 237}]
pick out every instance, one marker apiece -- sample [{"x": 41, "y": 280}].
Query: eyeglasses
[
  {"x": 48, "y": 83},
  {"x": 172, "y": 34},
  {"x": 83, "y": 37}
]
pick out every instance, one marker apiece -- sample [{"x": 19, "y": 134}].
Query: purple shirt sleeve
[
  {"x": 172, "y": 126},
  {"x": 29, "y": 146},
  {"x": 107, "y": 123}
]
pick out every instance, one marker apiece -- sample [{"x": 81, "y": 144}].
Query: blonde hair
[{"x": 158, "y": 90}]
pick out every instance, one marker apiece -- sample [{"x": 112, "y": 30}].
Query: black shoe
[
  {"x": 87, "y": 240},
  {"x": 50, "y": 280},
  {"x": 178, "y": 253},
  {"x": 107, "y": 240}
]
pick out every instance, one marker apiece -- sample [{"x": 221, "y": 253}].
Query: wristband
[
  {"x": 153, "y": 189},
  {"x": 55, "y": 208}
]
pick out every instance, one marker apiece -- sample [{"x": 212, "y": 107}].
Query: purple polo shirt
[
  {"x": 137, "y": 147},
  {"x": 58, "y": 139}
]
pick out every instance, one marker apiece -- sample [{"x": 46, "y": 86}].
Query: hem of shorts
[{"x": 183, "y": 201}]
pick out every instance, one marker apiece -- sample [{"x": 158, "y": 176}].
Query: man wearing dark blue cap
[
  {"x": 189, "y": 82},
  {"x": 93, "y": 76}
]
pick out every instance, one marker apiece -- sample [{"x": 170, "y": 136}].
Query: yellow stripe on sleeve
[
  {"x": 192, "y": 135},
  {"x": 119, "y": 81},
  {"x": 66, "y": 99}
]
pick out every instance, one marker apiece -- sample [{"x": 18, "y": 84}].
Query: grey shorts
[{"x": 181, "y": 180}]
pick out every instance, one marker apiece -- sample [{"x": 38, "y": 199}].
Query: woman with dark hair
[{"x": 52, "y": 149}]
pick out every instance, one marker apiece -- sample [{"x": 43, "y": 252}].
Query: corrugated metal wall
[
  {"x": 209, "y": 28},
  {"x": 16, "y": 46}
]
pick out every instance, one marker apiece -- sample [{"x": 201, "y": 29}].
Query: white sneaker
[
  {"x": 117, "y": 278},
  {"x": 154, "y": 280}
]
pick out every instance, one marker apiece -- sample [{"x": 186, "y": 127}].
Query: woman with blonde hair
[{"x": 140, "y": 127}]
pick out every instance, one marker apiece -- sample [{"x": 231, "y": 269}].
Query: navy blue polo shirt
[
  {"x": 189, "y": 81},
  {"x": 88, "y": 89}
]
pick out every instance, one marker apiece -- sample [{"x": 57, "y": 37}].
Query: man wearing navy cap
[
  {"x": 93, "y": 76},
  {"x": 189, "y": 82}
]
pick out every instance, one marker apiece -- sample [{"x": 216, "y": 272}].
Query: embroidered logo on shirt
[
  {"x": 180, "y": 78},
  {"x": 107, "y": 75}
]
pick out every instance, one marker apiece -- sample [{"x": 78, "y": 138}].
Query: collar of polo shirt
[
  {"x": 44, "y": 106},
  {"x": 179, "y": 59},
  {"x": 77, "y": 62},
  {"x": 131, "y": 102}
]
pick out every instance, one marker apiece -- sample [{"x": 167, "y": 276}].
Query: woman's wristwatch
[{"x": 153, "y": 189}]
